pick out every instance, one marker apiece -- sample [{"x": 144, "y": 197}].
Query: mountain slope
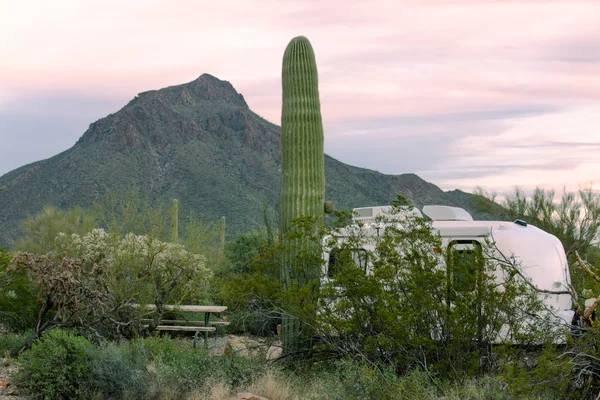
[{"x": 200, "y": 143}]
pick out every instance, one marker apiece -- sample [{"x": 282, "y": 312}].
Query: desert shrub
[
  {"x": 18, "y": 306},
  {"x": 129, "y": 370},
  {"x": 239, "y": 371},
  {"x": 161, "y": 348},
  {"x": 57, "y": 366},
  {"x": 250, "y": 285},
  {"x": 179, "y": 368},
  {"x": 90, "y": 282},
  {"x": 381, "y": 382},
  {"x": 187, "y": 371},
  {"x": 542, "y": 374},
  {"x": 242, "y": 250},
  {"x": 350, "y": 379},
  {"x": 40, "y": 230},
  {"x": 11, "y": 343},
  {"x": 409, "y": 312},
  {"x": 113, "y": 374}
]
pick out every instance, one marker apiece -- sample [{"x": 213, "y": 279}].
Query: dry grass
[
  {"x": 273, "y": 385},
  {"x": 214, "y": 390}
]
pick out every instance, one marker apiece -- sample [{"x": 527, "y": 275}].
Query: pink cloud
[{"x": 385, "y": 59}]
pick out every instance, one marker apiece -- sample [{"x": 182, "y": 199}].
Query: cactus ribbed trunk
[
  {"x": 222, "y": 241},
  {"x": 303, "y": 160},
  {"x": 175, "y": 221}
]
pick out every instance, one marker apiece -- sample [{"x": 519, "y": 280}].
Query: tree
[
  {"x": 41, "y": 229},
  {"x": 91, "y": 280},
  {"x": 18, "y": 306},
  {"x": 575, "y": 220},
  {"x": 94, "y": 282},
  {"x": 412, "y": 303}
]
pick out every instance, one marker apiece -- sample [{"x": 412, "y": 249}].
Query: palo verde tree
[
  {"x": 303, "y": 174},
  {"x": 400, "y": 297}
]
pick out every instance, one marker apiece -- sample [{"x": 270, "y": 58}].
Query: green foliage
[
  {"x": 56, "y": 367},
  {"x": 175, "y": 221},
  {"x": 41, "y": 230},
  {"x": 355, "y": 380},
  {"x": 248, "y": 284},
  {"x": 544, "y": 375},
  {"x": 412, "y": 303},
  {"x": 359, "y": 380},
  {"x": 130, "y": 371},
  {"x": 11, "y": 343},
  {"x": 191, "y": 370},
  {"x": 117, "y": 373},
  {"x": 18, "y": 306},
  {"x": 302, "y": 155},
  {"x": 303, "y": 163},
  {"x": 575, "y": 219},
  {"x": 241, "y": 252},
  {"x": 90, "y": 281}
]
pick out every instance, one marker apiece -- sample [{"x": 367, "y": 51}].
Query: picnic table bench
[{"x": 191, "y": 326}]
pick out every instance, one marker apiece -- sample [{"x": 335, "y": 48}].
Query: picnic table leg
[{"x": 206, "y": 324}]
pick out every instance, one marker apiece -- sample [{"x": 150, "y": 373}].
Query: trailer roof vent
[
  {"x": 520, "y": 222},
  {"x": 369, "y": 214},
  {"x": 447, "y": 213}
]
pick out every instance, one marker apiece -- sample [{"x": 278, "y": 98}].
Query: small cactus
[
  {"x": 175, "y": 221},
  {"x": 329, "y": 207}
]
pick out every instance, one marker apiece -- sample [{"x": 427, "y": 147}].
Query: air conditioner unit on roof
[{"x": 446, "y": 213}]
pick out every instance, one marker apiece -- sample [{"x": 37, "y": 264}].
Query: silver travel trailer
[{"x": 540, "y": 255}]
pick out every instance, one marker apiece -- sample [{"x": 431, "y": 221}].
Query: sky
[{"x": 461, "y": 92}]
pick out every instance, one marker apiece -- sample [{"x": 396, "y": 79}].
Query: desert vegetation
[
  {"x": 67, "y": 325},
  {"x": 423, "y": 323}
]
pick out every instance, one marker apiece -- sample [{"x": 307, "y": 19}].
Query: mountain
[{"x": 200, "y": 143}]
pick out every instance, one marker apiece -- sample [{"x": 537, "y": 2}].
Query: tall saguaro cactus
[{"x": 303, "y": 159}]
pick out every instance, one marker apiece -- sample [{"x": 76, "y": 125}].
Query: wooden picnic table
[{"x": 193, "y": 326}]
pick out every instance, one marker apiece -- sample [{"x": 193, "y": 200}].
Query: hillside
[{"x": 200, "y": 143}]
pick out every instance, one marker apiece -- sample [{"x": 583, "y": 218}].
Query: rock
[
  {"x": 274, "y": 351},
  {"x": 241, "y": 346}
]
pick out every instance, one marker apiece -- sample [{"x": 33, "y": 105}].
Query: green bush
[
  {"x": 247, "y": 286},
  {"x": 129, "y": 370},
  {"x": 542, "y": 374},
  {"x": 18, "y": 307},
  {"x": 239, "y": 371},
  {"x": 410, "y": 313},
  {"x": 183, "y": 369},
  {"x": 118, "y": 373},
  {"x": 57, "y": 366},
  {"x": 11, "y": 343},
  {"x": 347, "y": 379}
]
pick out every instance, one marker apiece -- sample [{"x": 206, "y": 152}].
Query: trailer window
[
  {"x": 339, "y": 257},
  {"x": 464, "y": 264}
]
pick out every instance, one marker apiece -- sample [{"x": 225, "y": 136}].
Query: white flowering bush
[{"x": 94, "y": 281}]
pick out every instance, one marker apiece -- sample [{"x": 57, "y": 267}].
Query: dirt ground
[{"x": 7, "y": 369}]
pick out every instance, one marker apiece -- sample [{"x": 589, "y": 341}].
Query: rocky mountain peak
[{"x": 152, "y": 115}]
